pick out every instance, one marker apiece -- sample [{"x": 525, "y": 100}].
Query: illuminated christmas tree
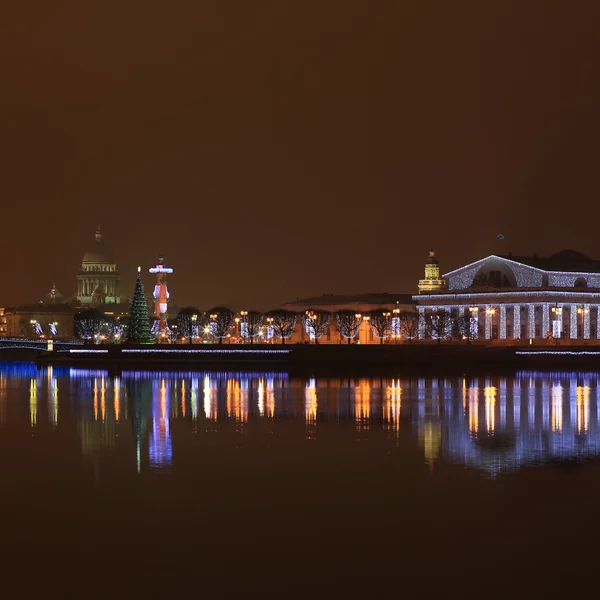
[{"x": 139, "y": 323}]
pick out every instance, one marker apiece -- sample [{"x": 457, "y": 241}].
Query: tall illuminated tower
[
  {"x": 432, "y": 282},
  {"x": 161, "y": 293}
]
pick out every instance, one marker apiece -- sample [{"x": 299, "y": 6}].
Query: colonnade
[{"x": 522, "y": 320}]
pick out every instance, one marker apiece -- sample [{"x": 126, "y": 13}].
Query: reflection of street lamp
[{"x": 582, "y": 311}]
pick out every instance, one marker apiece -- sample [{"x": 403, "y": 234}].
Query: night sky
[{"x": 278, "y": 149}]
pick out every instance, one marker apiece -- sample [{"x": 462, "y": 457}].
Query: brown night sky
[{"x": 278, "y": 149}]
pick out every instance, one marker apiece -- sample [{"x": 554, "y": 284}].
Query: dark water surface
[{"x": 225, "y": 483}]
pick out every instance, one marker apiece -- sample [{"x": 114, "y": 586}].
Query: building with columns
[
  {"x": 98, "y": 278},
  {"x": 521, "y": 297}
]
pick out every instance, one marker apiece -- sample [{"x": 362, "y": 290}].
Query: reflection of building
[
  {"x": 517, "y": 297},
  {"x": 98, "y": 278}
]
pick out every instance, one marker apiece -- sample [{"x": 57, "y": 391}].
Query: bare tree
[
  {"x": 283, "y": 323},
  {"x": 222, "y": 321},
  {"x": 439, "y": 325},
  {"x": 316, "y": 323},
  {"x": 381, "y": 324},
  {"x": 464, "y": 328},
  {"x": 349, "y": 324},
  {"x": 409, "y": 325},
  {"x": 252, "y": 322},
  {"x": 187, "y": 319}
]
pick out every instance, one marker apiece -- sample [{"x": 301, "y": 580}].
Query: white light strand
[
  {"x": 488, "y": 322},
  {"x": 545, "y": 319},
  {"x": 78, "y": 351},
  {"x": 198, "y": 351},
  {"x": 586, "y": 321},
  {"x": 581, "y": 295},
  {"x": 558, "y": 352},
  {"x": 502, "y": 333},
  {"x": 530, "y": 321},
  {"x": 598, "y": 322},
  {"x": 573, "y": 324},
  {"x": 517, "y": 321}
]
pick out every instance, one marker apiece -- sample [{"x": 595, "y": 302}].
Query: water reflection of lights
[
  {"x": 310, "y": 402},
  {"x": 33, "y": 401},
  {"x": 583, "y": 408},
  {"x": 160, "y": 450},
  {"x": 362, "y": 404},
  {"x": 393, "y": 405},
  {"x": 490, "y": 408},
  {"x": 496, "y": 425},
  {"x": 557, "y": 407},
  {"x": 117, "y": 397}
]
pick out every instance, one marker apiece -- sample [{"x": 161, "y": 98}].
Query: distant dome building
[{"x": 98, "y": 278}]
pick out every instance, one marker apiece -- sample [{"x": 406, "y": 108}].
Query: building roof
[
  {"x": 99, "y": 253},
  {"x": 337, "y": 300},
  {"x": 567, "y": 261}
]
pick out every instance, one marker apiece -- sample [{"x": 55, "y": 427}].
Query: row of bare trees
[{"x": 221, "y": 322}]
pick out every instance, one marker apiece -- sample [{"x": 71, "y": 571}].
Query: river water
[{"x": 226, "y": 482}]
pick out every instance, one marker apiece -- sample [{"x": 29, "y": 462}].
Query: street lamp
[
  {"x": 33, "y": 326},
  {"x": 269, "y": 325}
]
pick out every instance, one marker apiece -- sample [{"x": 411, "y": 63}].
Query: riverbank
[{"x": 328, "y": 358}]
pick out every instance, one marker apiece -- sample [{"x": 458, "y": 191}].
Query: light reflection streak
[
  {"x": 310, "y": 402},
  {"x": 490, "y": 408},
  {"x": 33, "y": 401},
  {"x": 117, "y": 397}
]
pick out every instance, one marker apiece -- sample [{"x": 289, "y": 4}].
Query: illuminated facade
[
  {"x": 98, "y": 278},
  {"x": 510, "y": 297},
  {"x": 432, "y": 282}
]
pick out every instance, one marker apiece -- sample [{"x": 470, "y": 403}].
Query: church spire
[{"x": 98, "y": 235}]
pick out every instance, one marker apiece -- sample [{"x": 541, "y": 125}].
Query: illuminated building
[
  {"x": 432, "y": 282},
  {"x": 3, "y": 326},
  {"x": 521, "y": 297},
  {"x": 98, "y": 278}
]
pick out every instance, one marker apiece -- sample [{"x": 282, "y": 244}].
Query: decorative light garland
[
  {"x": 86, "y": 351},
  {"x": 197, "y": 351},
  {"x": 559, "y": 353}
]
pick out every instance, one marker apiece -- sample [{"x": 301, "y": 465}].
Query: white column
[
  {"x": 502, "y": 332},
  {"x": 545, "y": 319},
  {"x": 488, "y": 323},
  {"x": 531, "y": 321},
  {"x": 421, "y": 323},
  {"x": 586, "y": 321},
  {"x": 573, "y": 322},
  {"x": 517, "y": 321},
  {"x": 448, "y": 331}
]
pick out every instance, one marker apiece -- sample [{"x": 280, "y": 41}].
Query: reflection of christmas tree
[{"x": 139, "y": 324}]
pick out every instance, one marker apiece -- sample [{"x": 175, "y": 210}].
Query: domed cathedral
[
  {"x": 432, "y": 282},
  {"x": 98, "y": 278}
]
